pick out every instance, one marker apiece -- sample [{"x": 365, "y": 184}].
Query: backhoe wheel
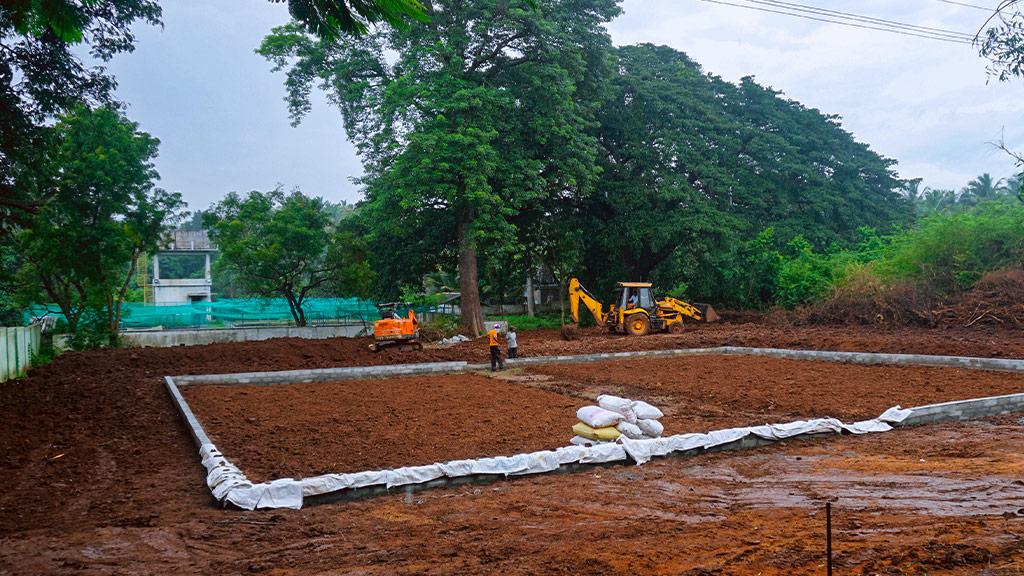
[
  {"x": 676, "y": 327},
  {"x": 638, "y": 325}
]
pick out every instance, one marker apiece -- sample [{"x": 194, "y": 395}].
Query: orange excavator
[{"x": 394, "y": 330}]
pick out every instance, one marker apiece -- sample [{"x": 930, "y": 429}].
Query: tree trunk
[
  {"x": 114, "y": 313},
  {"x": 471, "y": 321},
  {"x": 61, "y": 296},
  {"x": 294, "y": 307},
  {"x": 529, "y": 295}
]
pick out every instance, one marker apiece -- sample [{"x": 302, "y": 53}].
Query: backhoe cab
[{"x": 637, "y": 310}]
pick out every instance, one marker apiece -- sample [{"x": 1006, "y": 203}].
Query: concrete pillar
[
  {"x": 156, "y": 267},
  {"x": 207, "y": 272}
]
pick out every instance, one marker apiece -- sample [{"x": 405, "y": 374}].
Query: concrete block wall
[
  {"x": 321, "y": 375},
  {"x": 933, "y": 413},
  {"x": 170, "y": 338},
  {"x": 965, "y": 409}
]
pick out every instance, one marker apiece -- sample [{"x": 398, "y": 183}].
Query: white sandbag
[
  {"x": 618, "y": 405},
  {"x": 650, "y": 428},
  {"x": 581, "y": 441},
  {"x": 645, "y": 411},
  {"x": 631, "y": 431},
  {"x": 597, "y": 417}
]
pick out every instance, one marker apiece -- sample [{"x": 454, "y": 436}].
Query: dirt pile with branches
[{"x": 996, "y": 300}]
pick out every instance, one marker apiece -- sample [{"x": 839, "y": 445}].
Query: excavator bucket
[{"x": 707, "y": 311}]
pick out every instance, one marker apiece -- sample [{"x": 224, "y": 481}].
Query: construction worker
[
  {"x": 513, "y": 343},
  {"x": 492, "y": 341},
  {"x": 632, "y": 301}
]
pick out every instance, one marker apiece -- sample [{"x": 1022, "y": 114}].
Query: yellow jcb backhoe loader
[{"x": 638, "y": 312}]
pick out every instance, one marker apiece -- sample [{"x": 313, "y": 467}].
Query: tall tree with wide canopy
[
  {"x": 461, "y": 123},
  {"x": 693, "y": 164}
]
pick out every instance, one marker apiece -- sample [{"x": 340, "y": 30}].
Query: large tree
[
  {"x": 42, "y": 76},
  {"x": 334, "y": 18},
  {"x": 462, "y": 123},
  {"x": 277, "y": 244},
  {"x": 82, "y": 248},
  {"x": 693, "y": 164}
]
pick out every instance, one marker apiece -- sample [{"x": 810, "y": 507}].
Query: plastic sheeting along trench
[{"x": 229, "y": 485}]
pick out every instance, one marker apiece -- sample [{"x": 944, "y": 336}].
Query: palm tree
[
  {"x": 1015, "y": 186},
  {"x": 936, "y": 200},
  {"x": 912, "y": 190},
  {"x": 980, "y": 189}
]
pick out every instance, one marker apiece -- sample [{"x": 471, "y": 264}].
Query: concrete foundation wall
[
  {"x": 168, "y": 338},
  {"x": 321, "y": 374},
  {"x": 965, "y": 409}
]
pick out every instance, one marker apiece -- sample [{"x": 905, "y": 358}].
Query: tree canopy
[
  {"x": 482, "y": 112},
  {"x": 334, "y": 18},
  {"x": 1002, "y": 41},
  {"x": 82, "y": 248},
  {"x": 41, "y": 77},
  {"x": 274, "y": 243},
  {"x": 692, "y": 165}
]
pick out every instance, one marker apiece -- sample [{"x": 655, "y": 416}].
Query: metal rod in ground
[{"x": 828, "y": 537}]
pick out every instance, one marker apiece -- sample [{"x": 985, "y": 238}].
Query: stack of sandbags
[{"x": 614, "y": 417}]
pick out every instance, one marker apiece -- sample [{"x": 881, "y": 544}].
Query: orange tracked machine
[{"x": 397, "y": 331}]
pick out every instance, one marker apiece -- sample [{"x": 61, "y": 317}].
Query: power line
[
  {"x": 858, "y": 17},
  {"x": 843, "y": 22},
  {"x": 976, "y": 7}
]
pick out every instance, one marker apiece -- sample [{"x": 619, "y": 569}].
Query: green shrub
[
  {"x": 524, "y": 322},
  {"x": 439, "y": 326},
  {"x": 950, "y": 252},
  {"x": 803, "y": 277}
]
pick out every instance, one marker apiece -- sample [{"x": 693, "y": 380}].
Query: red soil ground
[
  {"x": 699, "y": 393},
  {"x": 303, "y": 430},
  {"x": 100, "y": 477}
]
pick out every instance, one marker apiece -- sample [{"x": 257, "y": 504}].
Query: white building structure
[{"x": 184, "y": 290}]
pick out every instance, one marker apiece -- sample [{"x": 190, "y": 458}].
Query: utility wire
[
  {"x": 976, "y": 7},
  {"x": 842, "y": 22},
  {"x": 859, "y": 18}
]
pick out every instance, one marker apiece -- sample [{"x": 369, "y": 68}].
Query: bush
[
  {"x": 959, "y": 268},
  {"x": 439, "y": 327},
  {"x": 804, "y": 277},
  {"x": 950, "y": 252},
  {"x": 524, "y": 322}
]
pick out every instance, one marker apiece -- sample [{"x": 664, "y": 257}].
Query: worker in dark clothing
[{"x": 492, "y": 341}]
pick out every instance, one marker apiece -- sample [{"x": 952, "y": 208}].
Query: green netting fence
[{"x": 238, "y": 312}]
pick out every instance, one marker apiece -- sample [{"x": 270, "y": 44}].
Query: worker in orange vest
[{"x": 492, "y": 341}]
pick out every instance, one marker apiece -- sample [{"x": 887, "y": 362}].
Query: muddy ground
[
  {"x": 302, "y": 430},
  {"x": 100, "y": 477}
]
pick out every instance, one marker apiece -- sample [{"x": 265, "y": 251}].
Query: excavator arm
[
  {"x": 577, "y": 294},
  {"x": 684, "y": 308}
]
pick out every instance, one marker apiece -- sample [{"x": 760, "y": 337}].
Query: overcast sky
[{"x": 219, "y": 112}]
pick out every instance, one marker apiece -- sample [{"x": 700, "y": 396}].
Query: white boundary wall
[
  {"x": 17, "y": 345},
  {"x": 170, "y": 338}
]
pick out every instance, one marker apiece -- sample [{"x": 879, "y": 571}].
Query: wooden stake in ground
[{"x": 828, "y": 537}]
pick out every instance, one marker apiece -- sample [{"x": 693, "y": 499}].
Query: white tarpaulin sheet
[{"x": 229, "y": 484}]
